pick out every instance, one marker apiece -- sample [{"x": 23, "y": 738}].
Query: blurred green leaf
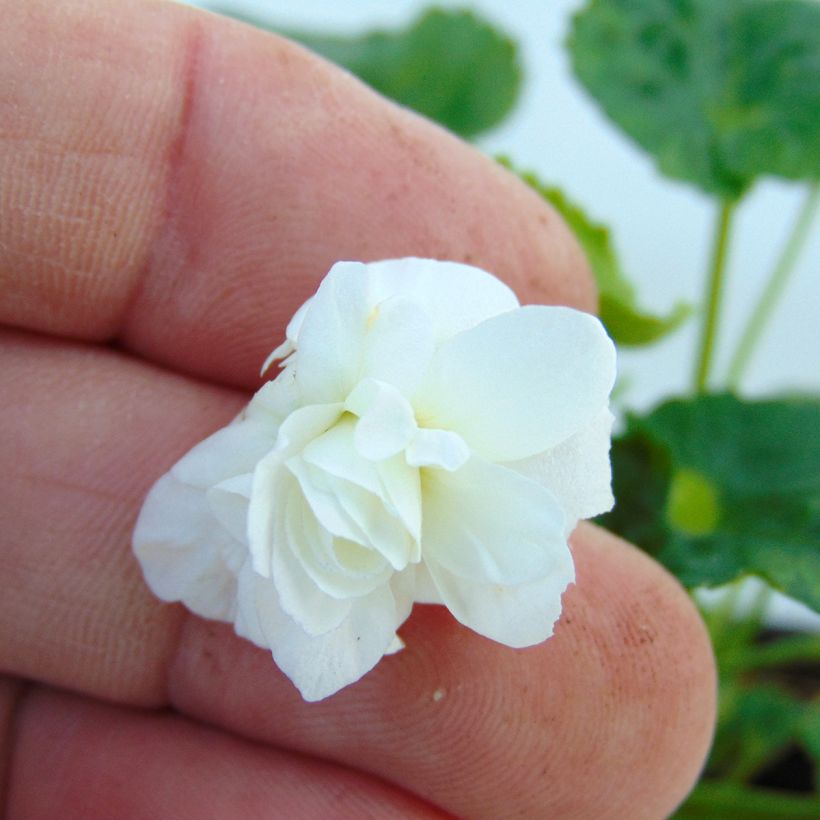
[
  {"x": 733, "y": 801},
  {"x": 626, "y": 322},
  {"x": 718, "y": 91},
  {"x": 757, "y": 724},
  {"x": 761, "y": 464},
  {"x": 809, "y": 736},
  {"x": 449, "y": 65}
]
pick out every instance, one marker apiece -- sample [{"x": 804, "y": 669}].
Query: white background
[{"x": 662, "y": 229}]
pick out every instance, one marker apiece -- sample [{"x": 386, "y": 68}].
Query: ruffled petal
[
  {"x": 275, "y": 400},
  {"x": 321, "y": 665},
  {"x": 351, "y": 513},
  {"x": 228, "y": 502},
  {"x": 229, "y": 452},
  {"x": 314, "y": 610},
  {"x": 296, "y": 431},
  {"x": 455, "y": 296},
  {"x": 438, "y": 448},
  {"x": 577, "y": 472},
  {"x": 391, "y": 479},
  {"x": 184, "y": 552},
  {"x": 521, "y": 382},
  {"x": 384, "y": 531},
  {"x": 339, "y": 567},
  {"x": 402, "y": 488},
  {"x": 489, "y": 524},
  {"x": 321, "y": 497},
  {"x": 426, "y": 591},
  {"x": 386, "y": 422},
  {"x": 398, "y": 344},
  {"x": 291, "y": 334},
  {"x": 330, "y": 344},
  {"x": 246, "y": 623},
  {"x": 517, "y": 616}
]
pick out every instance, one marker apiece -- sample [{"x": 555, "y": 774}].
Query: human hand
[{"x": 172, "y": 186}]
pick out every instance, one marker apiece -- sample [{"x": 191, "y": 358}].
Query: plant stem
[
  {"x": 773, "y": 291},
  {"x": 713, "y": 294}
]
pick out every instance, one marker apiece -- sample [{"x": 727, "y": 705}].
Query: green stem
[
  {"x": 713, "y": 294},
  {"x": 773, "y": 291}
]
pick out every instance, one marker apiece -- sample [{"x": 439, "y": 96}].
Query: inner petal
[
  {"x": 384, "y": 531},
  {"x": 490, "y": 524},
  {"x": 391, "y": 485},
  {"x": 333, "y": 572},
  {"x": 356, "y": 558},
  {"x": 323, "y": 500},
  {"x": 438, "y": 448},
  {"x": 386, "y": 422}
]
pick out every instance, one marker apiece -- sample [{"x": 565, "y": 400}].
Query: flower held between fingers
[{"x": 427, "y": 440}]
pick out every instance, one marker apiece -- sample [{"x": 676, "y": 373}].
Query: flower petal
[
  {"x": 246, "y": 623},
  {"x": 455, "y": 296},
  {"x": 577, "y": 471},
  {"x": 386, "y": 422},
  {"x": 184, "y": 553},
  {"x": 231, "y": 451},
  {"x": 324, "y": 502},
  {"x": 291, "y": 335},
  {"x": 321, "y": 665},
  {"x": 296, "y": 431},
  {"x": 517, "y": 616},
  {"x": 275, "y": 400},
  {"x": 402, "y": 488},
  {"x": 334, "y": 452},
  {"x": 331, "y": 338},
  {"x": 438, "y": 448},
  {"x": 398, "y": 345},
  {"x": 228, "y": 503},
  {"x": 384, "y": 531},
  {"x": 521, "y": 382},
  {"x": 341, "y": 568},
  {"x": 426, "y": 590},
  {"x": 392, "y": 480},
  {"x": 490, "y": 524},
  {"x": 314, "y": 610}
]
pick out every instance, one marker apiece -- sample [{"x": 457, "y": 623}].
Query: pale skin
[{"x": 172, "y": 186}]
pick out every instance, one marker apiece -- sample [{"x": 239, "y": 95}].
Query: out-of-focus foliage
[
  {"x": 453, "y": 66},
  {"x": 720, "y": 92},
  {"x": 717, "y": 488},
  {"x": 628, "y": 324}
]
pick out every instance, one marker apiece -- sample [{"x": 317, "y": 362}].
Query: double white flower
[{"x": 427, "y": 440}]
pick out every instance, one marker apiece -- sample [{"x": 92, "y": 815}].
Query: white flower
[{"x": 427, "y": 440}]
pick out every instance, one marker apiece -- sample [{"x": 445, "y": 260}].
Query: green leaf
[
  {"x": 720, "y": 92},
  {"x": 628, "y": 325},
  {"x": 717, "y": 488},
  {"x": 451, "y": 66},
  {"x": 731, "y": 801},
  {"x": 809, "y": 735},
  {"x": 756, "y": 726}
]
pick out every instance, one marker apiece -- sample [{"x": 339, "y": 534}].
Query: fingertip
[{"x": 658, "y": 668}]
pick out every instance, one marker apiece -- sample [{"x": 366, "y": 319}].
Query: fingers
[
  {"x": 85, "y": 432},
  {"x": 92, "y": 760},
  {"x": 610, "y": 717},
  {"x": 10, "y": 691},
  {"x": 181, "y": 183}
]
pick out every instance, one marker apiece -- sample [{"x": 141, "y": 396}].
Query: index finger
[{"x": 180, "y": 183}]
